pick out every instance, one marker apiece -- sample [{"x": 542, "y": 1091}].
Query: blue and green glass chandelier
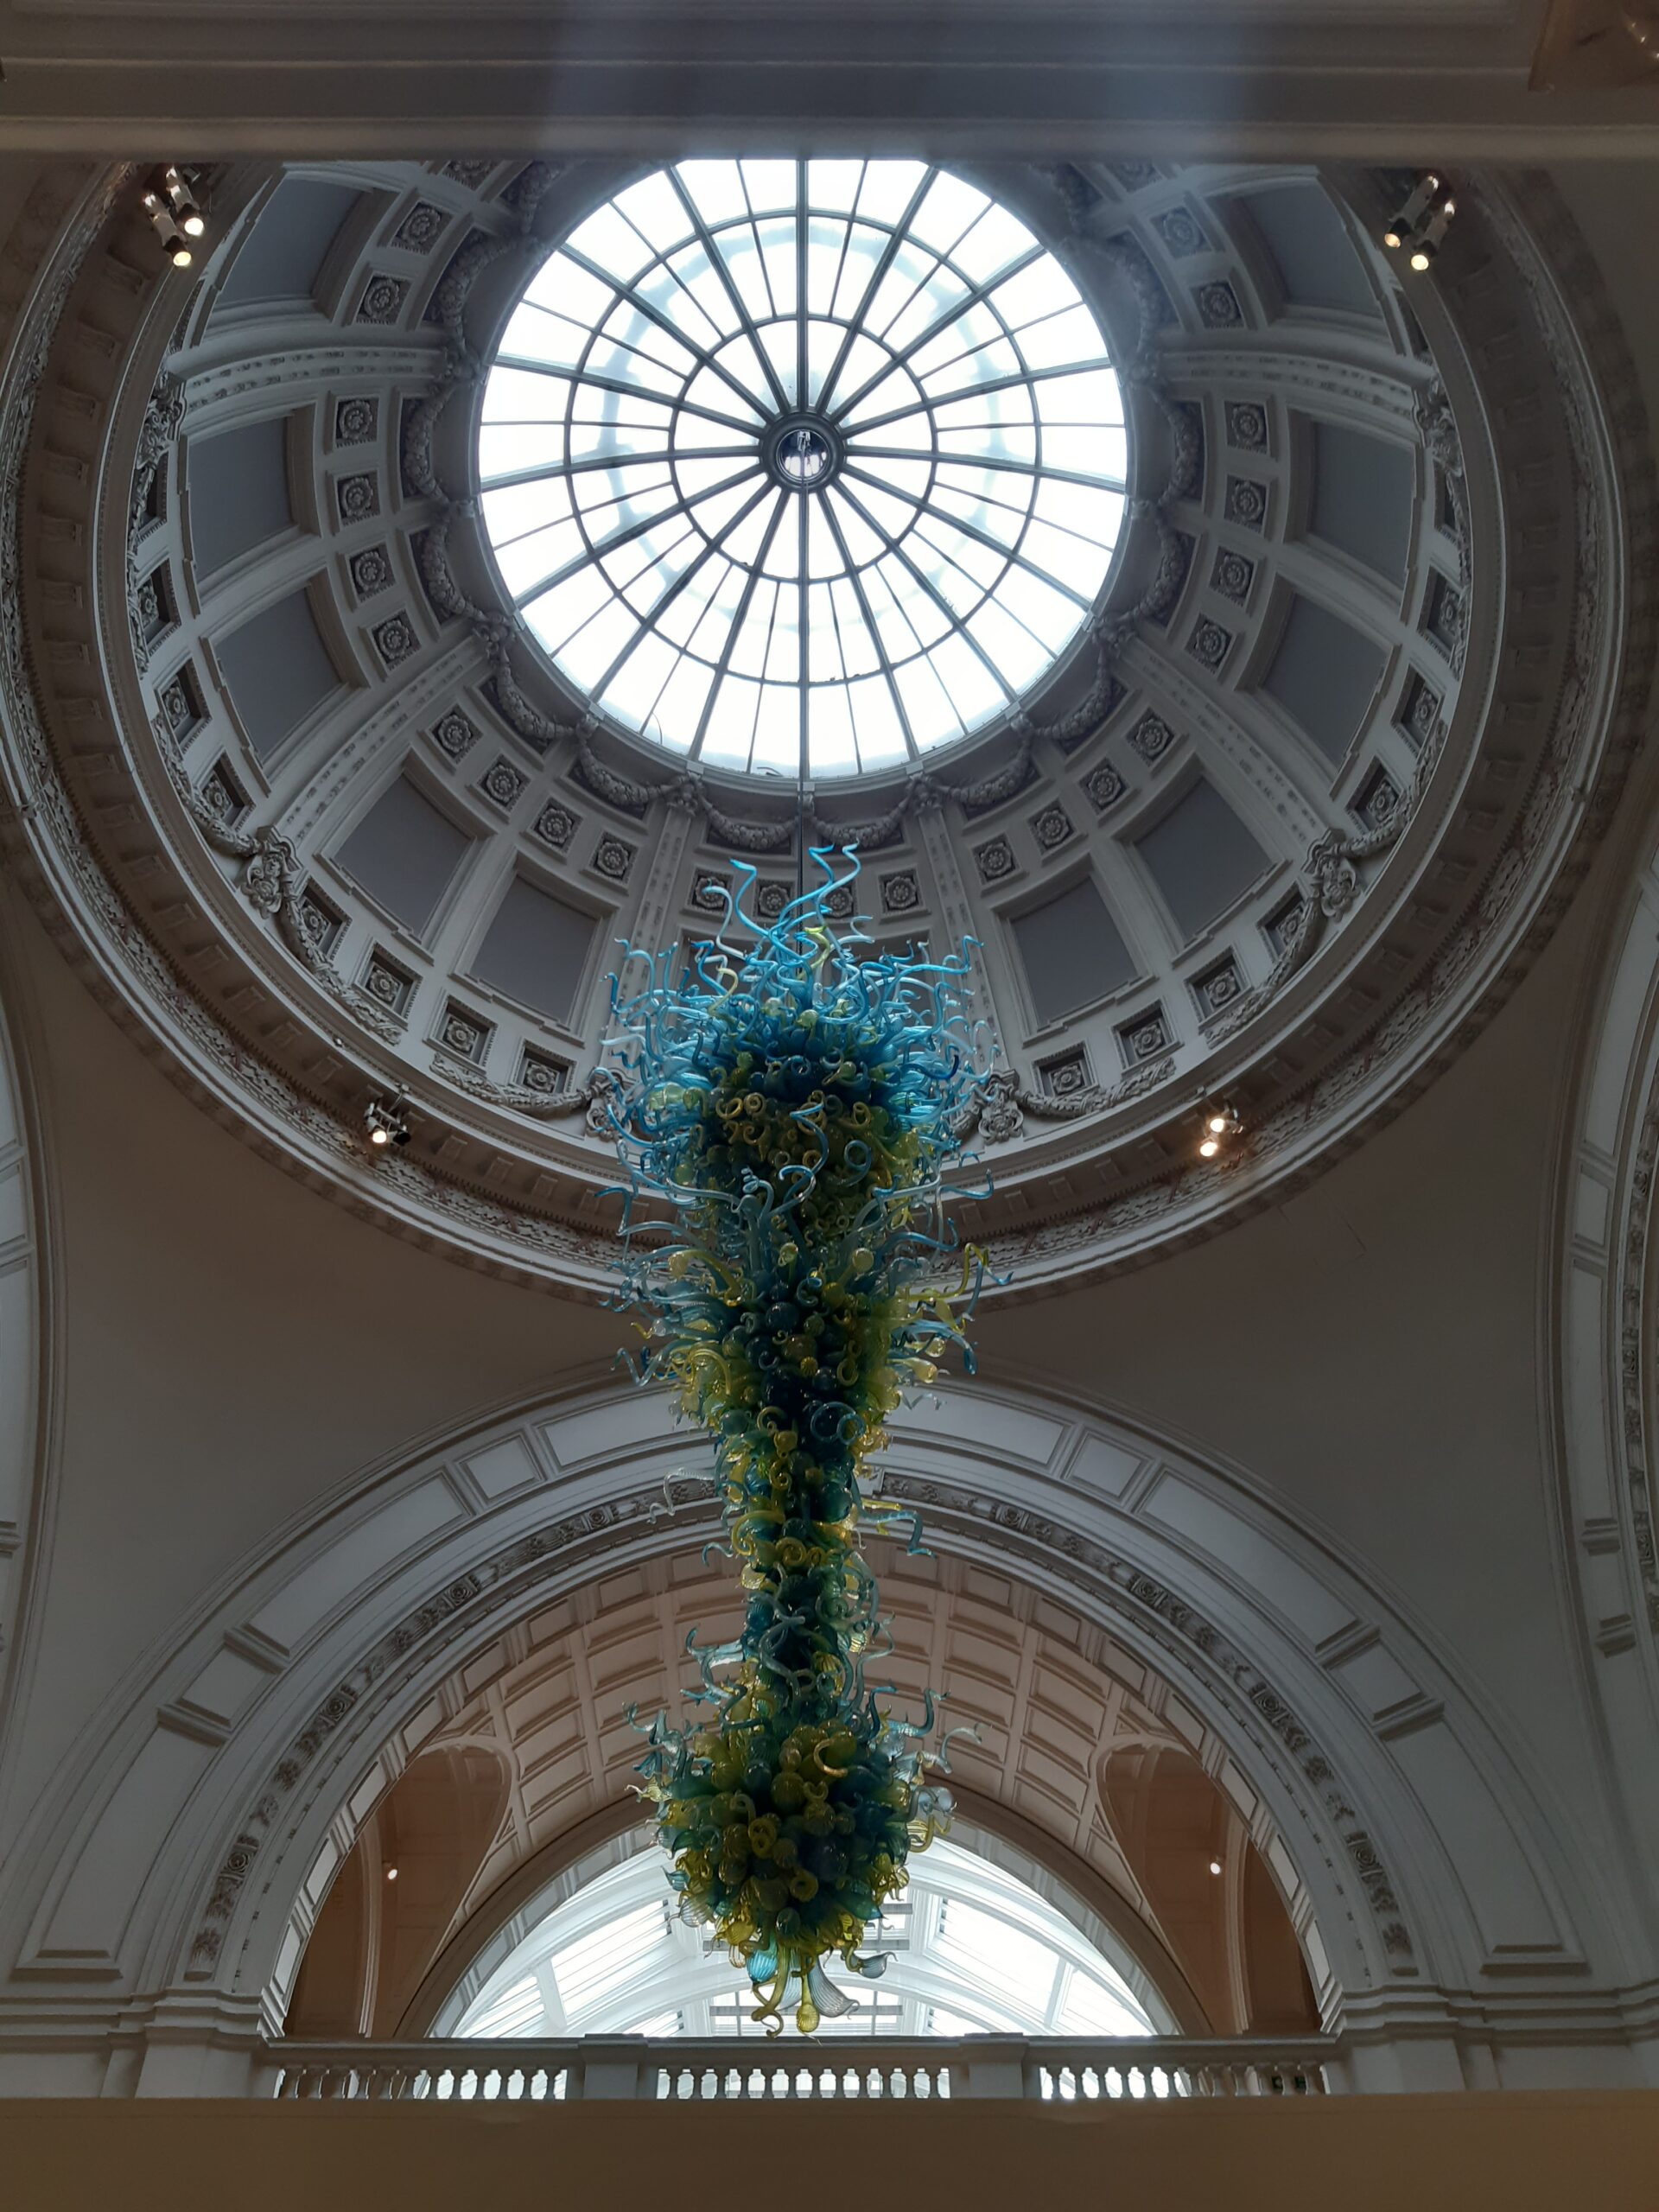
[{"x": 784, "y": 1113}]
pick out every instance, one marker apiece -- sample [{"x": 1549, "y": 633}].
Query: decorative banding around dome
[
  {"x": 234, "y": 918},
  {"x": 803, "y": 467}
]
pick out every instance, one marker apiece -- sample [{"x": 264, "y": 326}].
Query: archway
[{"x": 188, "y": 1862}]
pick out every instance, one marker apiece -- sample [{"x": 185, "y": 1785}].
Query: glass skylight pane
[
  {"x": 657, "y": 211},
  {"x": 1082, "y": 396},
  {"x": 680, "y": 707},
  {"x": 610, "y": 239},
  {"x": 635, "y": 687},
  {"x": 1039, "y": 606},
  {"x": 824, "y": 240},
  {"x": 832, "y": 748},
  {"x": 949, "y": 208},
  {"x": 597, "y": 644},
  {"x": 778, "y": 729},
  {"x": 525, "y": 395},
  {"x": 715, "y": 189},
  {"x": 1040, "y": 288},
  {"x": 534, "y": 336},
  {"x": 779, "y": 245},
  {"x": 994, "y": 240},
  {"x": 669, "y": 342},
  {"x": 518, "y": 509},
  {"x": 731, "y": 722},
  {"x": 1007, "y": 1961},
  {"x": 563, "y": 287},
  {"x": 1019, "y": 655},
  {"x": 1089, "y": 2007},
  {"x": 705, "y": 304},
  {"x": 540, "y": 555},
  {"x": 888, "y": 188},
  {"x": 780, "y": 344},
  {"x": 559, "y": 612},
  {"x": 589, "y": 1969},
  {"x": 743, "y": 272},
  {"x": 771, "y": 186},
  {"x": 1058, "y": 339},
  {"x": 505, "y": 449},
  {"x": 875, "y": 721},
  {"x": 517, "y": 2011},
  {"x": 858, "y": 651},
  {"x": 977, "y": 1948},
  {"x": 925, "y": 311},
  {"x": 927, "y": 705},
  {"x": 1102, "y": 453},
  {"x": 833, "y": 185},
  {"x": 974, "y": 692}
]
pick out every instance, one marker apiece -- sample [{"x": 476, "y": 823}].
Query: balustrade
[{"x": 685, "y": 2070}]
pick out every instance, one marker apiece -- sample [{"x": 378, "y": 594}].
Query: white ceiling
[{"x": 1263, "y": 78}]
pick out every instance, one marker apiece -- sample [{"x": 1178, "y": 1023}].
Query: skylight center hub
[{"x": 803, "y": 455}]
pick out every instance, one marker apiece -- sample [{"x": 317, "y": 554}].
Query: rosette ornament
[{"x": 784, "y": 1113}]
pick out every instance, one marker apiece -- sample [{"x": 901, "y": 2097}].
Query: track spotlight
[
  {"x": 1429, "y": 244},
  {"x": 1221, "y": 1123},
  {"x": 1400, "y": 231},
  {"x": 175, "y": 214},
  {"x": 385, "y": 1123},
  {"x": 183, "y": 203},
  {"x": 174, "y": 242}
]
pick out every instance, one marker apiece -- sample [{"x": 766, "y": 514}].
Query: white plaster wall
[
  {"x": 1369, "y": 1352},
  {"x": 235, "y": 1348}
]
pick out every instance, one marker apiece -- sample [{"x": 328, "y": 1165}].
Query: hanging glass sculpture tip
[{"x": 791, "y": 1108}]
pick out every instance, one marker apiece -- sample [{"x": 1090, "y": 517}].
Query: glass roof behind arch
[
  {"x": 975, "y": 1950},
  {"x": 802, "y": 465}
]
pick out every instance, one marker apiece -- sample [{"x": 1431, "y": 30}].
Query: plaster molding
[
  {"x": 1336, "y": 1726},
  {"x": 1371, "y": 996}
]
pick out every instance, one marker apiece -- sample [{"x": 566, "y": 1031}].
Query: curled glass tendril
[{"x": 785, "y": 1112}]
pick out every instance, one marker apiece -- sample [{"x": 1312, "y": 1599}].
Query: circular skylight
[
  {"x": 741, "y": 390},
  {"x": 972, "y": 1949}
]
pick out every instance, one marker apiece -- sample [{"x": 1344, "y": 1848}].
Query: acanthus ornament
[
  {"x": 999, "y": 1113},
  {"x": 273, "y": 881},
  {"x": 1333, "y": 883},
  {"x": 590, "y": 1097}
]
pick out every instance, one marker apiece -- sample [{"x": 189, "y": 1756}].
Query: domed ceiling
[{"x": 477, "y": 568}]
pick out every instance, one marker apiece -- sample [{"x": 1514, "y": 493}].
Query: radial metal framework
[{"x": 739, "y": 390}]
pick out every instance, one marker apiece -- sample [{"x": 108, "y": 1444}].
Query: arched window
[{"x": 973, "y": 1949}]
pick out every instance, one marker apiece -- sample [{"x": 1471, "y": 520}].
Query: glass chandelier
[{"x": 790, "y": 1107}]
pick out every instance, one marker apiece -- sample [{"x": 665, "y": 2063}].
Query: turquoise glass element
[{"x": 785, "y": 1114}]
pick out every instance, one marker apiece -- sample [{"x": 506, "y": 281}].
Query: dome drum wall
[{"x": 356, "y": 835}]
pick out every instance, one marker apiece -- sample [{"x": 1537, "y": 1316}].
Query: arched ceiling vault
[
  {"x": 1601, "y": 1382},
  {"x": 191, "y": 1844},
  {"x": 1049, "y": 1703},
  {"x": 1356, "y": 701}
]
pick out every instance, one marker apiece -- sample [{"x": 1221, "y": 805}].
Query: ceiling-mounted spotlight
[
  {"x": 175, "y": 244},
  {"x": 1425, "y": 248},
  {"x": 1400, "y": 231},
  {"x": 182, "y": 201},
  {"x": 385, "y": 1123},
  {"x": 1221, "y": 1123},
  {"x": 175, "y": 214}
]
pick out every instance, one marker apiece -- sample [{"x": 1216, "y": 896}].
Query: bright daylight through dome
[
  {"x": 975, "y": 1951},
  {"x": 740, "y": 387}
]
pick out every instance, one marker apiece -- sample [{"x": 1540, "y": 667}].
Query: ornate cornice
[{"x": 1419, "y": 958}]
